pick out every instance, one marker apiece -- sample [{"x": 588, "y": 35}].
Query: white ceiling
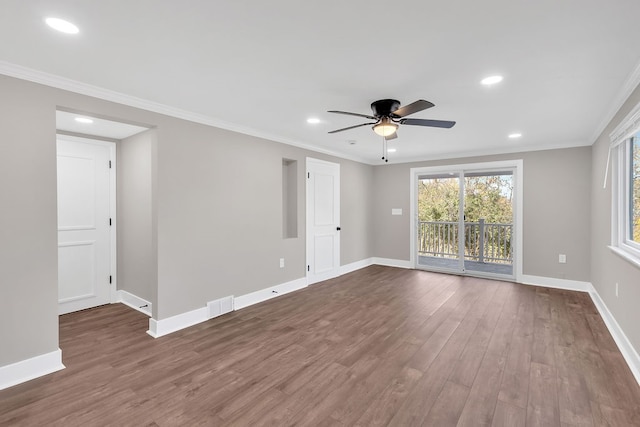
[{"x": 265, "y": 67}]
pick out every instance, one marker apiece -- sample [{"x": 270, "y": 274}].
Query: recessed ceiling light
[
  {"x": 62, "y": 25},
  {"x": 515, "y": 135},
  {"x": 313, "y": 120},
  {"x": 83, "y": 120},
  {"x": 391, "y": 150},
  {"x": 491, "y": 80}
]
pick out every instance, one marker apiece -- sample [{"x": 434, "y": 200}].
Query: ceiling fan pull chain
[{"x": 385, "y": 152}]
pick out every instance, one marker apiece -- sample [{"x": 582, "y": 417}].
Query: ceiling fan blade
[
  {"x": 414, "y": 107},
  {"x": 352, "y": 127},
  {"x": 392, "y": 136},
  {"x": 430, "y": 123},
  {"x": 353, "y": 114}
]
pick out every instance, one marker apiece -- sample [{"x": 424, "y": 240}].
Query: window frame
[{"x": 620, "y": 151}]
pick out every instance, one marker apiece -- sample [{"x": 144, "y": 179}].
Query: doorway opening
[
  {"x": 86, "y": 194},
  {"x": 466, "y": 219}
]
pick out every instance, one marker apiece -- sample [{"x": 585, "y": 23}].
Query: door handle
[{"x": 338, "y": 228}]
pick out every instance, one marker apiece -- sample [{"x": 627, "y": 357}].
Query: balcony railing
[{"x": 483, "y": 242}]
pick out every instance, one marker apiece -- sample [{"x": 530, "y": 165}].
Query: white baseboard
[
  {"x": 626, "y": 348},
  {"x": 388, "y": 262},
  {"x": 354, "y": 266},
  {"x": 30, "y": 369},
  {"x": 159, "y": 328},
  {"x": 265, "y": 294},
  {"x": 551, "y": 282},
  {"x": 134, "y": 302}
]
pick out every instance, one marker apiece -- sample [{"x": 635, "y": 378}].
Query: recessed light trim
[
  {"x": 62, "y": 25},
  {"x": 491, "y": 80},
  {"x": 83, "y": 120},
  {"x": 515, "y": 135},
  {"x": 313, "y": 120}
]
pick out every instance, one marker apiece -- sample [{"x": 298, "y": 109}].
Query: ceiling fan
[{"x": 388, "y": 114}]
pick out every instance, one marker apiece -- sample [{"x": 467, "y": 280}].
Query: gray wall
[
  {"x": 607, "y": 268},
  {"x": 356, "y": 235},
  {"x": 28, "y": 214},
  {"x": 556, "y": 204},
  {"x": 218, "y": 213},
  {"x": 137, "y": 255}
]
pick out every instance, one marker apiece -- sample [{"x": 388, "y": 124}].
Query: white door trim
[
  {"x": 114, "y": 223},
  {"x": 113, "y": 253},
  {"x": 516, "y": 165},
  {"x": 314, "y": 278}
]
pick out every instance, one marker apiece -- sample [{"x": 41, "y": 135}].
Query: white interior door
[
  {"x": 323, "y": 220},
  {"x": 84, "y": 223}
]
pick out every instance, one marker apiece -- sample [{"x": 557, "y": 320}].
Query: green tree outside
[{"x": 486, "y": 197}]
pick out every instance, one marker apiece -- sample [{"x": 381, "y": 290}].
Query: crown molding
[
  {"x": 58, "y": 82},
  {"x": 627, "y": 127},
  {"x": 627, "y": 89},
  {"x": 488, "y": 152}
]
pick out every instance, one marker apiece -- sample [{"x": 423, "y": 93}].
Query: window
[
  {"x": 628, "y": 193},
  {"x": 625, "y": 151}
]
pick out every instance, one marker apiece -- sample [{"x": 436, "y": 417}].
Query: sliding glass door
[{"x": 465, "y": 222}]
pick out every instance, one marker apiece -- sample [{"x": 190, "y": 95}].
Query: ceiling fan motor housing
[{"x": 384, "y": 107}]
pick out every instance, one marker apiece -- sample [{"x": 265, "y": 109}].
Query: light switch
[{"x": 396, "y": 211}]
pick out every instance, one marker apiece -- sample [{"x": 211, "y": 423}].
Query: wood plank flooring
[{"x": 380, "y": 346}]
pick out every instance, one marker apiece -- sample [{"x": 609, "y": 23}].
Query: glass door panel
[
  {"x": 438, "y": 233},
  {"x": 488, "y": 222}
]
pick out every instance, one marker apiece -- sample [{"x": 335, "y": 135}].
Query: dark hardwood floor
[{"x": 381, "y": 346}]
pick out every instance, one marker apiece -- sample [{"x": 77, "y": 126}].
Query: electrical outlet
[
  {"x": 562, "y": 259},
  {"x": 281, "y": 262},
  {"x": 616, "y": 289}
]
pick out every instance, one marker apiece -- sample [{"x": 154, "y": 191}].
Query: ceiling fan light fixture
[{"x": 385, "y": 128}]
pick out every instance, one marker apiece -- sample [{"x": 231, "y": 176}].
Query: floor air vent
[{"x": 220, "y": 306}]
